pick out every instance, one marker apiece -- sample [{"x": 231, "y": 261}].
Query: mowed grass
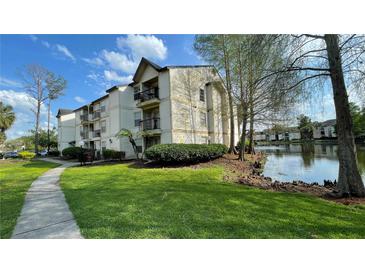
[
  {"x": 16, "y": 176},
  {"x": 120, "y": 201}
]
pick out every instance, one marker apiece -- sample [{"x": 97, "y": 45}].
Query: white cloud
[
  {"x": 33, "y": 37},
  {"x": 46, "y": 44},
  {"x": 119, "y": 64},
  {"x": 148, "y": 46},
  {"x": 9, "y": 83},
  {"x": 132, "y": 49},
  {"x": 24, "y": 117},
  {"x": 118, "y": 61},
  {"x": 93, "y": 76},
  {"x": 64, "y": 50},
  {"x": 111, "y": 75},
  {"x": 79, "y": 99},
  {"x": 94, "y": 61}
]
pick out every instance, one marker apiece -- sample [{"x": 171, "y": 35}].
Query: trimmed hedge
[
  {"x": 54, "y": 153},
  {"x": 26, "y": 155},
  {"x": 185, "y": 153},
  {"x": 113, "y": 154},
  {"x": 72, "y": 152}
]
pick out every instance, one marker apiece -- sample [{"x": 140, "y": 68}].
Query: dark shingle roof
[
  {"x": 328, "y": 123},
  {"x": 63, "y": 111}
]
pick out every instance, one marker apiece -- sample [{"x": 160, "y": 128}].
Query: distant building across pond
[
  {"x": 321, "y": 130},
  {"x": 324, "y": 130}
]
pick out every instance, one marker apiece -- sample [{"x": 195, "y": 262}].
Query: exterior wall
[
  {"x": 294, "y": 135},
  {"x": 66, "y": 131},
  {"x": 259, "y": 137},
  {"x": 187, "y": 110},
  {"x": 179, "y": 108},
  {"x": 329, "y": 132},
  {"x": 127, "y": 108}
]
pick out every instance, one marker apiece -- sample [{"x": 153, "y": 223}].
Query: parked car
[
  {"x": 43, "y": 153},
  {"x": 11, "y": 154}
]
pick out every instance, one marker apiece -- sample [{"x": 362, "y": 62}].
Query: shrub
[
  {"x": 26, "y": 155},
  {"x": 72, "y": 152},
  {"x": 54, "y": 153},
  {"x": 185, "y": 153},
  {"x": 107, "y": 153},
  {"x": 113, "y": 154}
]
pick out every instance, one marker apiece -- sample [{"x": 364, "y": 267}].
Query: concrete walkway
[{"x": 45, "y": 213}]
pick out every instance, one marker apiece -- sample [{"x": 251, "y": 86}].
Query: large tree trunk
[
  {"x": 349, "y": 179},
  {"x": 251, "y": 108},
  {"x": 243, "y": 137},
  {"x": 48, "y": 121},
  {"x": 231, "y": 143},
  {"x": 251, "y": 148},
  {"x": 229, "y": 91},
  {"x": 36, "y": 134}
]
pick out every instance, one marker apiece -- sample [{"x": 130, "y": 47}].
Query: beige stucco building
[{"x": 172, "y": 104}]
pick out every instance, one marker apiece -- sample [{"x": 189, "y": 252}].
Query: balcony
[
  {"x": 147, "y": 98},
  {"x": 150, "y": 124},
  {"x": 84, "y": 134},
  {"x": 84, "y": 117},
  {"x": 96, "y": 115},
  {"x": 96, "y": 133}
]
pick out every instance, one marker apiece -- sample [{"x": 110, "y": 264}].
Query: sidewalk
[{"x": 45, "y": 213}]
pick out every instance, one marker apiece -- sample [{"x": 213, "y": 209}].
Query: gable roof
[
  {"x": 328, "y": 123},
  {"x": 63, "y": 111},
  {"x": 142, "y": 65}
]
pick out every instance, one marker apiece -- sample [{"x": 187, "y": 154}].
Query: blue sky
[{"x": 93, "y": 63}]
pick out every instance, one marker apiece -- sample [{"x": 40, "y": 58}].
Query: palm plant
[
  {"x": 127, "y": 133},
  {"x": 131, "y": 137},
  {"x": 7, "y": 117}
]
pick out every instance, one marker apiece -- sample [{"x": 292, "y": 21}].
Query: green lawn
[
  {"x": 16, "y": 176},
  {"x": 119, "y": 201}
]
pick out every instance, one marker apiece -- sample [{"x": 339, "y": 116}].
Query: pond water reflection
[{"x": 306, "y": 162}]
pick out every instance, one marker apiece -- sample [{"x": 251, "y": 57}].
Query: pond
[{"x": 306, "y": 162}]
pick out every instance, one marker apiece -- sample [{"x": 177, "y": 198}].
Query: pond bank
[{"x": 249, "y": 173}]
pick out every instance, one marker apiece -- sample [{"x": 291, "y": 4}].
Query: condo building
[{"x": 171, "y": 104}]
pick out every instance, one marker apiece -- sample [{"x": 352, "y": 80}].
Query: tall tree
[
  {"x": 305, "y": 127},
  {"x": 259, "y": 99},
  {"x": 358, "y": 119},
  {"x": 217, "y": 50},
  {"x": 315, "y": 58},
  {"x": 41, "y": 85},
  {"x": 349, "y": 178},
  {"x": 55, "y": 87}
]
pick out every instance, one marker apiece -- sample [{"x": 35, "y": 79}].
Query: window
[
  {"x": 102, "y": 108},
  {"x": 103, "y": 126},
  {"x": 137, "y": 118},
  {"x": 202, "y": 95},
  {"x": 203, "y": 119}
]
